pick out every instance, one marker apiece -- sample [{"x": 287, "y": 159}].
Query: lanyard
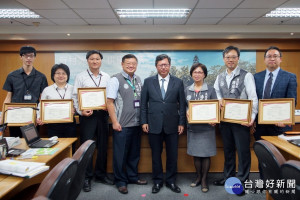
[
  {"x": 27, "y": 87},
  {"x": 62, "y": 97},
  {"x": 132, "y": 85},
  {"x": 93, "y": 79}
]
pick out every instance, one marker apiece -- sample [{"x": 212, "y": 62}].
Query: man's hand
[
  {"x": 116, "y": 126},
  {"x": 180, "y": 129},
  {"x": 87, "y": 113},
  {"x": 145, "y": 128},
  {"x": 282, "y": 125},
  {"x": 39, "y": 122},
  {"x": 248, "y": 124}
]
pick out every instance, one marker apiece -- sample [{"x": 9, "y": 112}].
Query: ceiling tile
[
  {"x": 70, "y": 22},
  {"x": 10, "y": 22},
  {"x": 29, "y": 22},
  {"x": 169, "y": 21},
  {"x": 43, "y": 4},
  {"x": 247, "y": 13},
  {"x": 175, "y": 3},
  {"x": 236, "y": 21},
  {"x": 131, "y": 4},
  {"x": 63, "y": 14},
  {"x": 206, "y": 21},
  {"x": 291, "y": 4},
  {"x": 261, "y": 3},
  {"x": 96, "y": 13},
  {"x": 9, "y": 4},
  {"x": 273, "y": 21},
  {"x": 199, "y": 13},
  {"x": 148, "y": 21},
  {"x": 103, "y": 21},
  {"x": 294, "y": 21},
  {"x": 218, "y": 3},
  {"x": 87, "y": 3}
]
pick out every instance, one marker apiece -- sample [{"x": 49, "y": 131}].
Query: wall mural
[{"x": 181, "y": 62}]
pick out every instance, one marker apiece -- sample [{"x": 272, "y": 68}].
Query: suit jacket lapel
[
  {"x": 156, "y": 85},
  {"x": 261, "y": 84},
  {"x": 170, "y": 85},
  {"x": 278, "y": 79}
]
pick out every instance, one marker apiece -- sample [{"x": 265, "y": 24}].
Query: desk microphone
[{"x": 16, "y": 108}]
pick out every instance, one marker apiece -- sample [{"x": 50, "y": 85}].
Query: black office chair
[
  {"x": 270, "y": 160},
  {"x": 83, "y": 156},
  {"x": 291, "y": 170},
  {"x": 57, "y": 183}
]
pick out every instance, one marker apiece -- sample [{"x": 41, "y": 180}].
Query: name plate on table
[
  {"x": 56, "y": 111},
  {"x": 19, "y": 114},
  {"x": 92, "y": 98},
  {"x": 206, "y": 111},
  {"x": 272, "y": 111},
  {"x": 236, "y": 111}
]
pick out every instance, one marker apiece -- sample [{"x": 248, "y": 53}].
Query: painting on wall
[{"x": 181, "y": 62}]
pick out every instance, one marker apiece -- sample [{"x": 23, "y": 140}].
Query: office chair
[
  {"x": 83, "y": 156},
  {"x": 57, "y": 183},
  {"x": 291, "y": 170},
  {"x": 270, "y": 160}
]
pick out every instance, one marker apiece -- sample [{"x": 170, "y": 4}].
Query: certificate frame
[
  {"x": 264, "y": 102},
  {"x": 46, "y": 102},
  {"x": 238, "y": 101},
  {"x": 203, "y": 102},
  {"x": 15, "y": 106},
  {"x": 80, "y": 91}
]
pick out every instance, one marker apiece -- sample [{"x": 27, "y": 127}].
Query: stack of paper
[{"x": 22, "y": 169}]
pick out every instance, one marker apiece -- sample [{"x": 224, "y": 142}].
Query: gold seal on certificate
[
  {"x": 92, "y": 98},
  {"x": 236, "y": 111},
  {"x": 204, "y": 111},
  {"x": 19, "y": 114},
  {"x": 56, "y": 111},
  {"x": 272, "y": 111}
]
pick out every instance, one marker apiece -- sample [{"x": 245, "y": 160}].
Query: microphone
[{"x": 15, "y": 108}]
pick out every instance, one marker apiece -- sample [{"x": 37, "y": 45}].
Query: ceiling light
[
  {"x": 153, "y": 13},
  {"x": 17, "y": 13},
  {"x": 284, "y": 12}
]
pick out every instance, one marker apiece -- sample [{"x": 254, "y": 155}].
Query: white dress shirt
[{"x": 166, "y": 82}]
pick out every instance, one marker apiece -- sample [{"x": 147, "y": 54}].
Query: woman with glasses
[
  {"x": 201, "y": 140},
  {"x": 60, "y": 89}
]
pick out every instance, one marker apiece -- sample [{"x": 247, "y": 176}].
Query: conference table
[{"x": 12, "y": 185}]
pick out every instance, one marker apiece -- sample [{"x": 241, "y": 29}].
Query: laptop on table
[{"x": 33, "y": 139}]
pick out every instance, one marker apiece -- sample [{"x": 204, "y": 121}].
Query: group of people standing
[{"x": 159, "y": 109}]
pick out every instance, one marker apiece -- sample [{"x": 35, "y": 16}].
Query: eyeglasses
[
  {"x": 272, "y": 56},
  {"x": 28, "y": 55},
  {"x": 231, "y": 57},
  {"x": 163, "y": 65},
  {"x": 130, "y": 63},
  {"x": 64, "y": 74},
  {"x": 194, "y": 72}
]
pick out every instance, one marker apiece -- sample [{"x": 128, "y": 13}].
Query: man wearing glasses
[
  {"x": 163, "y": 118},
  {"x": 236, "y": 83},
  {"x": 24, "y": 85}
]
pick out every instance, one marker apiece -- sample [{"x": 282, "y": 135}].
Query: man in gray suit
[
  {"x": 163, "y": 117},
  {"x": 274, "y": 83}
]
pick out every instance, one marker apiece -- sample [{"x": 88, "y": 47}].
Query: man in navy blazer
[
  {"x": 283, "y": 84},
  {"x": 163, "y": 118}
]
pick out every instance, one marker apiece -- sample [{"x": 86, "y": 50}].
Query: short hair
[
  {"x": 60, "y": 66},
  {"x": 127, "y": 56},
  {"x": 27, "y": 49},
  {"x": 274, "y": 48},
  {"x": 161, "y": 57},
  {"x": 89, "y": 53},
  {"x": 229, "y": 48},
  {"x": 196, "y": 65}
]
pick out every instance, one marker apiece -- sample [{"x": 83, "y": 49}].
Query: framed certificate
[
  {"x": 56, "y": 111},
  {"x": 236, "y": 111},
  {"x": 92, "y": 98},
  {"x": 272, "y": 111},
  {"x": 19, "y": 114},
  {"x": 204, "y": 111}
]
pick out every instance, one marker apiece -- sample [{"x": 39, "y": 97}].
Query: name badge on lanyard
[
  {"x": 136, "y": 104},
  {"x": 27, "y": 96}
]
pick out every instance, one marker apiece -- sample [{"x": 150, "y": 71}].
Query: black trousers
[
  {"x": 96, "y": 127},
  {"x": 15, "y": 131},
  {"x": 156, "y": 144},
  {"x": 236, "y": 137},
  {"x": 266, "y": 130}
]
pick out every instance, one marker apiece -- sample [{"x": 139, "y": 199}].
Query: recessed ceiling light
[
  {"x": 17, "y": 13},
  {"x": 153, "y": 13},
  {"x": 68, "y": 34},
  {"x": 284, "y": 12}
]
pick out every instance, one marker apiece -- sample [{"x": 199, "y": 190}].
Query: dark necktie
[
  {"x": 267, "y": 92},
  {"x": 162, "y": 89}
]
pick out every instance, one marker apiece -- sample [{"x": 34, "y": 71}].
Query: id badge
[
  {"x": 27, "y": 97},
  {"x": 136, "y": 103}
]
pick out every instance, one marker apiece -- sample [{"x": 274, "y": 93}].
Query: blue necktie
[
  {"x": 267, "y": 92},
  {"x": 162, "y": 89}
]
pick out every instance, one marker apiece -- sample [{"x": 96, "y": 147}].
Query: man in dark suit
[
  {"x": 274, "y": 83},
  {"x": 163, "y": 117}
]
